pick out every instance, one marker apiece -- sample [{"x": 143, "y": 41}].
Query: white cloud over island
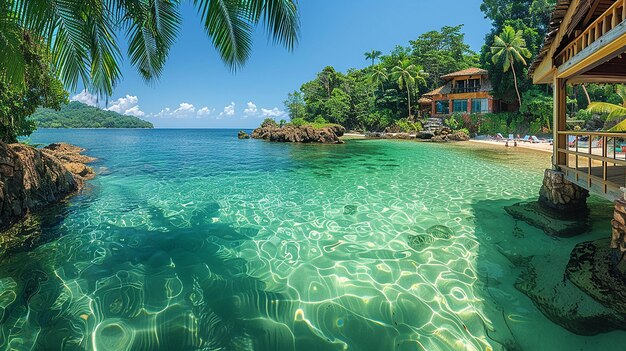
[{"x": 129, "y": 105}]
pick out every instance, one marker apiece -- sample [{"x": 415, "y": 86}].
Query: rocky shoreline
[
  {"x": 439, "y": 135},
  {"x": 31, "y": 179}
]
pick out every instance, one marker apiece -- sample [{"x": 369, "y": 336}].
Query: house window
[
  {"x": 459, "y": 105},
  {"x": 480, "y": 105},
  {"x": 443, "y": 107}
]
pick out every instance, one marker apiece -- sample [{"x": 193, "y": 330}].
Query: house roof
[
  {"x": 424, "y": 101},
  {"x": 560, "y": 10},
  {"x": 436, "y": 91},
  {"x": 473, "y": 71}
]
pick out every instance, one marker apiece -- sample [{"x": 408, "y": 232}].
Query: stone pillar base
[
  {"x": 618, "y": 237},
  {"x": 559, "y": 194}
]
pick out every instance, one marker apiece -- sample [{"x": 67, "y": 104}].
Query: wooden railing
[
  {"x": 594, "y": 160},
  {"x": 603, "y": 24}
]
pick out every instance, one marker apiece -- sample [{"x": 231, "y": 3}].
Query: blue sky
[{"x": 198, "y": 91}]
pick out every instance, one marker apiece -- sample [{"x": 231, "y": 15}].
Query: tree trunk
[
  {"x": 519, "y": 99},
  {"x": 408, "y": 95},
  {"x": 586, "y": 94}
]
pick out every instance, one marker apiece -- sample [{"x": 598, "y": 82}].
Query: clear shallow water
[{"x": 194, "y": 240}]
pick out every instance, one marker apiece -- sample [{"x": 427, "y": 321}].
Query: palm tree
[
  {"x": 372, "y": 55},
  {"x": 378, "y": 76},
  {"x": 510, "y": 47},
  {"x": 407, "y": 75},
  {"x": 83, "y": 42},
  {"x": 614, "y": 111}
]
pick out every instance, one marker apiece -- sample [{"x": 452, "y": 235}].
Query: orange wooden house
[{"x": 467, "y": 91}]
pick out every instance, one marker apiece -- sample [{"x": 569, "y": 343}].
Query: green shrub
[
  {"x": 269, "y": 123},
  {"x": 320, "y": 120},
  {"x": 463, "y": 130},
  {"x": 298, "y": 122}
]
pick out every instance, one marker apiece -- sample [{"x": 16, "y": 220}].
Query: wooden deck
[{"x": 609, "y": 189}]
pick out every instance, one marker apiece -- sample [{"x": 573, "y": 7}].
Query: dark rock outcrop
[
  {"x": 304, "y": 134},
  {"x": 561, "y": 300},
  {"x": 598, "y": 270},
  {"x": 555, "y": 223},
  {"x": 33, "y": 178},
  {"x": 243, "y": 135},
  {"x": 445, "y": 134}
]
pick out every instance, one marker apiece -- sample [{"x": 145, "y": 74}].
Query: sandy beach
[{"x": 546, "y": 147}]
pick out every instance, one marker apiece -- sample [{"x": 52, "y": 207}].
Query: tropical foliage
[
  {"x": 41, "y": 89},
  {"x": 614, "y": 112},
  {"x": 384, "y": 94},
  {"x": 78, "y": 115},
  {"x": 82, "y": 36}
]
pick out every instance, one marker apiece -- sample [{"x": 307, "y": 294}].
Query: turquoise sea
[{"x": 194, "y": 240}]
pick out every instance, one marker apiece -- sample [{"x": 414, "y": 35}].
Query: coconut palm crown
[{"x": 82, "y": 35}]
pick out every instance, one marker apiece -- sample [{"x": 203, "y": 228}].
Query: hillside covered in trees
[{"x": 78, "y": 115}]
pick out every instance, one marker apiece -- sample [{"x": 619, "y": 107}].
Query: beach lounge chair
[
  {"x": 526, "y": 138},
  {"x": 534, "y": 139},
  {"x": 571, "y": 141},
  {"x": 511, "y": 137},
  {"x": 499, "y": 136}
]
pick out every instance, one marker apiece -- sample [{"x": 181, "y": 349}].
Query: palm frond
[
  {"x": 614, "y": 111},
  {"x": 12, "y": 63},
  {"x": 620, "y": 127},
  {"x": 280, "y": 18},
  {"x": 227, "y": 24},
  {"x": 151, "y": 27}
]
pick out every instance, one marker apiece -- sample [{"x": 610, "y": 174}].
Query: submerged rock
[
  {"x": 349, "y": 210},
  {"x": 440, "y": 232},
  {"x": 552, "y": 222},
  {"x": 559, "y": 299},
  {"x": 596, "y": 269},
  {"x": 436, "y": 232},
  {"x": 243, "y": 135},
  {"x": 304, "y": 134},
  {"x": 33, "y": 178},
  {"x": 418, "y": 242}
]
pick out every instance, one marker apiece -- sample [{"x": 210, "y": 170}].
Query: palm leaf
[
  {"x": 12, "y": 63},
  {"x": 614, "y": 111},
  {"x": 280, "y": 18},
  {"x": 152, "y": 27},
  {"x": 620, "y": 127}
]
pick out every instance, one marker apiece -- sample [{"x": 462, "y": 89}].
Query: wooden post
[{"x": 560, "y": 106}]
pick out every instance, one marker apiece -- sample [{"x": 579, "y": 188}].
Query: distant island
[{"x": 79, "y": 115}]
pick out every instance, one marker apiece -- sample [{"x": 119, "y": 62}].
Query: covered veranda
[{"x": 586, "y": 44}]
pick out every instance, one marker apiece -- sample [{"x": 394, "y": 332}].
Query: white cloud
[
  {"x": 229, "y": 111},
  {"x": 135, "y": 111},
  {"x": 86, "y": 98},
  {"x": 184, "y": 110},
  {"x": 205, "y": 111},
  {"x": 127, "y": 106},
  {"x": 273, "y": 113},
  {"x": 251, "y": 110}
]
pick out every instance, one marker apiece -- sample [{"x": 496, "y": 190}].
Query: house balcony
[{"x": 462, "y": 90}]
